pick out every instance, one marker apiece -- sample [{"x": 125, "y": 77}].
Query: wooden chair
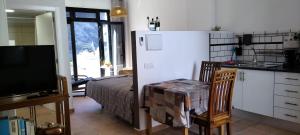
[
  {"x": 207, "y": 70},
  {"x": 219, "y": 104},
  {"x": 79, "y": 83}
]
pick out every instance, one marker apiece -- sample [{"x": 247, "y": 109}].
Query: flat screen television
[{"x": 27, "y": 69}]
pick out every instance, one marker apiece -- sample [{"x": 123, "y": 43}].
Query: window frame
[{"x": 72, "y": 19}]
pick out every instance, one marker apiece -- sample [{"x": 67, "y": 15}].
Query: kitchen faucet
[{"x": 255, "y": 55}]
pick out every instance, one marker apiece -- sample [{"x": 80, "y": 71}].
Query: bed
[{"x": 115, "y": 94}]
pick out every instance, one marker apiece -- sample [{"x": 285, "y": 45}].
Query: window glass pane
[
  {"x": 70, "y": 55},
  {"x": 106, "y": 64},
  {"x": 87, "y": 49},
  {"x": 68, "y": 14},
  {"x": 103, "y": 16},
  {"x": 117, "y": 47},
  {"x": 85, "y": 15}
]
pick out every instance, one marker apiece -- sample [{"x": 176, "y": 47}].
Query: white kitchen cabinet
[
  {"x": 237, "y": 100},
  {"x": 258, "y": 92},
  {"x": 253, "y": 91},
  {"x": 287, "y": 96}
]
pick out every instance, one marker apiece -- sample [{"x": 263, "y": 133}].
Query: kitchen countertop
[{"x": 280, "y": 68}]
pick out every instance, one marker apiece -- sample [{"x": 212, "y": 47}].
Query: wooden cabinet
[
  {"x": 61, "y": 101},
  {"x": 253, "y": 91}
]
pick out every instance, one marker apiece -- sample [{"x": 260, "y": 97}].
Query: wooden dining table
[{"x": 172, "y": 102}]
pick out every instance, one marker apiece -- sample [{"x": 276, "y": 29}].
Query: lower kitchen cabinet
[{"x": 253, "y": 91}]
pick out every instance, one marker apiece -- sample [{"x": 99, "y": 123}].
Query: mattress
[{"x": 115, "y": 94}]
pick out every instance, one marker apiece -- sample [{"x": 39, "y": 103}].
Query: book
[
  {"x": 30, "y": 130},
  {"x": 4, "y": 126},
  {"x": 27, "y": 125},
  {"x": 13, "y": 126},
  {"x": 22, "y": 128}
]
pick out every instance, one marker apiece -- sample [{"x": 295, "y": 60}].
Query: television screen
[{"x": 27, "y": 69}]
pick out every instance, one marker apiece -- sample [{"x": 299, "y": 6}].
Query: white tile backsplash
[
  {"x": 260, "y": 46},
  {"x": 223, "y": 48},
  {"x": 223, "y": 53},
  {"x": 255, "y": 39},
  {"x": 260, "y": 58},
  {"x": 277, "y": 39},
  {"x": 214, "y": 54},
  {"x": 267, "y": 39},
  {"x": 271, "y": 46},
  {"x": 270, "y": 58},
  {"x": 217, "y": 48},
  {"x": 245, "y": 52},
  {"x": 279, "y": 46}
]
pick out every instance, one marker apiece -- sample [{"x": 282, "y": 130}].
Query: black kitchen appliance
[{"x": 291, "y": 57}]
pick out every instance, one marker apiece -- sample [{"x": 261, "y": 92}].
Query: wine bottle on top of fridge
[
  {"x": 157, "y": 24},
  {"x": 152, "y": 25}
]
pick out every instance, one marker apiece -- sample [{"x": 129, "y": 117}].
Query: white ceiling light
[{"x": 9, "y": 10}]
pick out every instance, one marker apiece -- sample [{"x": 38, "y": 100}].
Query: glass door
[
  {"x": 87, "y": 48},
  {"x": 118, "y": 46},
  {"x": 114, "y": 48},
  {"x": 96, "y": 45}
]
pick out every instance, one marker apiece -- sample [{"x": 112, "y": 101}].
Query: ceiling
[{"x": 23, "y": 16}]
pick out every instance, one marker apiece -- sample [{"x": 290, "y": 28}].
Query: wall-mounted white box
[{"x": 154, "y": 42}]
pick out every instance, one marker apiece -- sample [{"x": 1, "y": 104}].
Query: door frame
[
  {"x": 110, "y": 39},
  {"x": 72, "y": 19}
]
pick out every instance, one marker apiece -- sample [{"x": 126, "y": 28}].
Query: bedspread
[{"x": 114, "y": 94}]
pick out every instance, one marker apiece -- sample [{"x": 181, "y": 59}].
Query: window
[{"x": 96, "y": 48}]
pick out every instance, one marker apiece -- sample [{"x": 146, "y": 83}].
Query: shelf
[
  {"x": 20, "y": 102},
  {"x": 60, "y": 100}
]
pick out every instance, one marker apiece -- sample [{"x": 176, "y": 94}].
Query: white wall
[
  {"x": 258, "y": 15},
  {"x": 44, "y": 28},
  {"x": 58, "y": 7},
  {"x": 180, "y": 57},
  {"x": 172, "y": 13},
  {"x": 22, "y": 33},
  {"x": 97, "y": 4},
  {"x": 200, "y": 14},
  {"x": 3, "y": 24}
]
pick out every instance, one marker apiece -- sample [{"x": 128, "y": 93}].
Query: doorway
[{"x": 96, "y": 45}]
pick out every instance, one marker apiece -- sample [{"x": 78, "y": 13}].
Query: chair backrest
[
  {"x": 207, "y": 70},
  {"x": 220, "y": 95}
]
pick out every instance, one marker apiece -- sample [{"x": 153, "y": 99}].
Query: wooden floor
[{"x": 88, "y": 119}]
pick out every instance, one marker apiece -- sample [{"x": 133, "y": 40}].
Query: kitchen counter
[{"x": 280, "y": 68}]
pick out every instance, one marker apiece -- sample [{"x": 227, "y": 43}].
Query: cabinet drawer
[
  {"x": 287, "y": 102},
  {"x": 286, "y": 114},
  {"x": 287, "y": 90},
  {"x": 287, "y": 78}
]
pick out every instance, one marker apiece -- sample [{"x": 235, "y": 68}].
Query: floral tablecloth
[{"x": 171, "y": 102}]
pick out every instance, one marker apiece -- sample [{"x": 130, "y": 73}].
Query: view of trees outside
[{"x": 87, "y": 49}]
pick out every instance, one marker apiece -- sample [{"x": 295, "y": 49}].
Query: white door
[
  {"x": 44, "y": 29},
  {"x": 3, "y": 24},
  {"x": 237, "y": 100},
  {"x": 258, "y": 92}
]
